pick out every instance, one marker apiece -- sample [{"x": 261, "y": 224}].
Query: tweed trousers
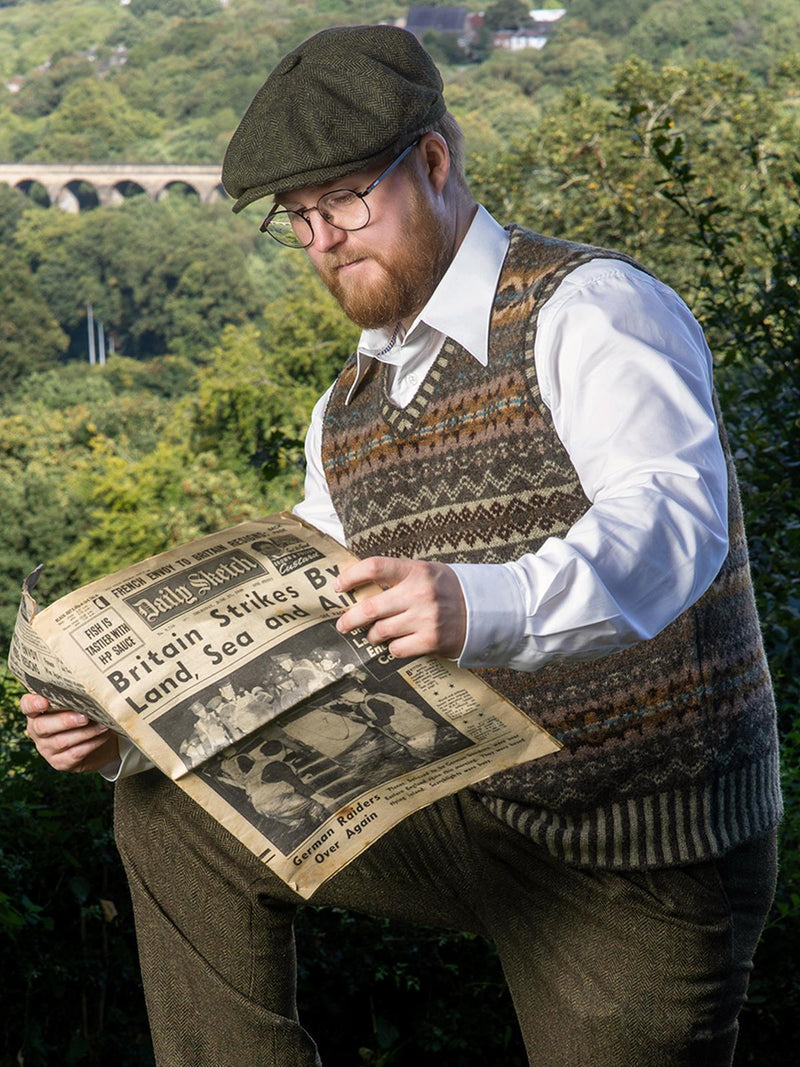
[{"x": 604, "y": 968}]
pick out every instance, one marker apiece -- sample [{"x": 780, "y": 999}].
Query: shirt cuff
[
  {"x": 495, "y": 614},
  {"x": 131, "y": 761}
]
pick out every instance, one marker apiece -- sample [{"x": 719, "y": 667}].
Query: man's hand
[
  {"x": 421, "y": 610},
  {"x": 68, "y": 740}
]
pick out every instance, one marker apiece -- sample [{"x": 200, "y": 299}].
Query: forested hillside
[
  {"x": 167, "y": 79},
  {"x": 666, "y": 128}
]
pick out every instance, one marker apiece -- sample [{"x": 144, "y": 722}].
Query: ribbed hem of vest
[{"x": 667, "y": 829}]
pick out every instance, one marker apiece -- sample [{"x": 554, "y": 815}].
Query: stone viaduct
[{"x": 76, "y": 186}]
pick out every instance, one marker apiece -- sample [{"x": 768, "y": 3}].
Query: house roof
[{"x": 438, "y": 19}]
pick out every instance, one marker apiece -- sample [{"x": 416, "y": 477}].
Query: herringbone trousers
[{"x": 608, "y": 969}]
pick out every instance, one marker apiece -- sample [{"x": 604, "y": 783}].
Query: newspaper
[{"x": 221, "y": 661}]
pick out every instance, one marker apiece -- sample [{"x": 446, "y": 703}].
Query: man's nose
[{"x": 326, "y": 236}]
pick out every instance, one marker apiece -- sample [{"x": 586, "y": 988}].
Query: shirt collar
[{"x": 461, "y": 305}]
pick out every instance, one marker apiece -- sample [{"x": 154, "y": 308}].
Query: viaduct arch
[{"x": 75, "y": 186}]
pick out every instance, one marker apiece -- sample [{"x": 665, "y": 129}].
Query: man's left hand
[{"x": 420, "y": 611}]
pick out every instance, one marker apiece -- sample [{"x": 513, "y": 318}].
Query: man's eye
[{"x": 341, "y": 198}]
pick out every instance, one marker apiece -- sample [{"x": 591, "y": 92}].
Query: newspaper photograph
[{"x": 220, "y": 660}]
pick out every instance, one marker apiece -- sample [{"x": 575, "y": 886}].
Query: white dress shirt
[{"x": 626, "y": 373}]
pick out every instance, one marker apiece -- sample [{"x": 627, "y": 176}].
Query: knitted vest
[{"x": 670, "y": 747}]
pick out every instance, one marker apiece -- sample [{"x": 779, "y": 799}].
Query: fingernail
[
  {"x": 337, "y": 585},
  {"x": 80, "y": 720}
]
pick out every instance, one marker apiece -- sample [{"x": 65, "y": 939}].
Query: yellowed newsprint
[{"x": 220, "y": 660}]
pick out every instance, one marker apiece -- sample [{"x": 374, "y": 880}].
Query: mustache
[{"x": 341, "y": 260}]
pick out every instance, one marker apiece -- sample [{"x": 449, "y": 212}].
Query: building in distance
[{"x": 461, "y": 34}]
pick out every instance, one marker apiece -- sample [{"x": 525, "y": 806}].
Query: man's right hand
[{"x": 68, "y": 740}]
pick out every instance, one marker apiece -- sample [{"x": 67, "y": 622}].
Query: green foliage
[
  {"x": 51, "y": 430},
  {"x": 179, "y": 8},
  {"x": 137, "y": 508},
  {"x": 30, "y": 338},
  {"x": 254, "y": 398},
  {"x": 44, "y": 89},
  {"x": 163, "y": 277},
  {"x": 774, "y": 994},
  {"x": 588, "y": 169},
  {"x": 248, "y": 406},
  {"x": 12, "y": 204},
  {"x": 34, "y": 34},
  {"x": 670, "y": 32},
  {"x": 165, "y": 377},
  {"x": 94, "y": 121},
  {"x": 613, "y": 18},
  {"x": 415, "y": 997},
  {"x": 444, "y": 47},
  {"x": 747, "y": 297},
  {"x": 507, "y": 15},
  {"x": 71, "y": 991},
  {"x": 491, "y": 111}
]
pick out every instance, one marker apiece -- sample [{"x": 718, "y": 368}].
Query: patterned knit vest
[{"x": 670, "y": 747}]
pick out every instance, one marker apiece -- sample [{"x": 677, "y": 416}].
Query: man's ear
[{"x": 435, "y": 157}]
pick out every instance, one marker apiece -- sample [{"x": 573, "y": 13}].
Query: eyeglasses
[{"x": 343, "y": 208}]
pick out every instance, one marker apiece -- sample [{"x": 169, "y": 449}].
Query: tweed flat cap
[{"x": 335, "y": 104}]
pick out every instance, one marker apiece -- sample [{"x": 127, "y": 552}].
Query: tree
[
  {"x": 138, "y": 508},
  {"x": 588, "y": 171},
  {"x": 254, "y": 399},
  {"x": 71, "y": 990},
  {"x": 12, "y": 204},
  {"x": 445, "y": 47},
  {"x": 30, "y": 338},
  {"x": 164, "y": 277},
  {"x": 747, "y": 301},
  {"x": 50, "y": 428},
  {"x": 507, "y": 15},
  {"x": 93, "y": 121},
  {"x": 44, "y": 90},
  {"x": 178, "y": 8}
]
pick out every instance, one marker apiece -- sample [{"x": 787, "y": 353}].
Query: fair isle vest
[{"x": 670, "y": 746}]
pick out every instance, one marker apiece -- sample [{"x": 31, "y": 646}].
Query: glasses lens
[
  {"x": 345, "y": 209},
  {"x": 290, "y": 229}
]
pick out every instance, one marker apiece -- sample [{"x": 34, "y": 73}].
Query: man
[
  {"x": 417, "y": 732},
  {"x": 272, "y": 785},
  {"x": 525, "y": 454}
]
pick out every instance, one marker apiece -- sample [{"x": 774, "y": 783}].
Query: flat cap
[{"x": 335, "y": 104}]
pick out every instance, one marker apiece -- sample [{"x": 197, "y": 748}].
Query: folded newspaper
[{"x": 221, "y": 661}]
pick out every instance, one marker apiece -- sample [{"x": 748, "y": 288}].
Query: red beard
[{"x": 409, "y": 274}]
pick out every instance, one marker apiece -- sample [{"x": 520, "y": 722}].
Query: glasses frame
[{"x": 277, "y": 210}]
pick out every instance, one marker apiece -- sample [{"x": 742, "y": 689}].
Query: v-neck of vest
[{"x": 404, "y": 421}]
